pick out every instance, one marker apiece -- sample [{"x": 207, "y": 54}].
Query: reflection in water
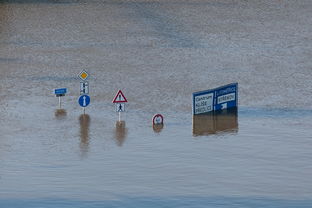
[
  {"x": 60, "y": 113},
  {"x": 121, "y": 132},
  {"x": 4, "y": 16},
  {"x": 158, "y": 127},
  {"x": 215, "y": 122},
  {"x": 84, "y": 120}
]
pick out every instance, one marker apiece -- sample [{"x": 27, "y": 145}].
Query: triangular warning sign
[{"x": 120, "y": 98}]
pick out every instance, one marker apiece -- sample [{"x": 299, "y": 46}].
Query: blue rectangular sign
[
  {"x": 215, "y": 99},
  {"x": 60, "y": 91}
]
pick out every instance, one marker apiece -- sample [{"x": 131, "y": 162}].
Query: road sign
[
  {"x": 84, "y": 88},
  {"x": 203, "y": 102},
  {"x": 120, "y": 98},
  {"x": 120, "y": 107},
  {"x": 83, "y": 75},
  {"x": 226, "y": 97},
  {"x": 215, "y": 99},
  {"x": 158, "y": 119},
  {"x": 84, "y": 100},
  {"x": 60, "y": 92}
]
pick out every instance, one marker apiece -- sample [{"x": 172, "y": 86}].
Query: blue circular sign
[{"x": 84, "y": 100}]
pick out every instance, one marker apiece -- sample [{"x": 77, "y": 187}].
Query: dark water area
[
  {"x": 153, "y": 202},
  {"x": 158, "y": 53}
]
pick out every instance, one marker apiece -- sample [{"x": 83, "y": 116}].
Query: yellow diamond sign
[{"x": 83, "y": 75}]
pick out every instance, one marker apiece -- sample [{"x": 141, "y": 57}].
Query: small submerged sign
[
  {"x": 60, "y": 92},
  {"x": 220, "y": 98}
]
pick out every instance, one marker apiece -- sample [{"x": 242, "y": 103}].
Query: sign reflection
[
  {"x": 224, "y": 121},
  {"x": 121, "y": 132},
  {"x": 84, "y": 121}
]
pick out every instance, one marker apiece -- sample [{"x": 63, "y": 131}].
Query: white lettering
[{"x": 226, "y": 98}]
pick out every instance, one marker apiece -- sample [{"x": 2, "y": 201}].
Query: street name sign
[
  {"x": 215, "y": 99},
  {"x": 60, "y": 92}
]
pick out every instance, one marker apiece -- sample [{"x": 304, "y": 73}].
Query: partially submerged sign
[
  {"x": 158, "y": 119},
  {"x": 60, "y": 92},
  {"x": 215, "y": 99}
]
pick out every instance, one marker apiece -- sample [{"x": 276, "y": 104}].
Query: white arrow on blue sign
[{"x": 84, "y": 100}]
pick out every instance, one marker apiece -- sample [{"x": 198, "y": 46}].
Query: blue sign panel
[
  {"x": 84, "y": 100},
  {"x": 226, "y": 97},
  {"x": 60, "y": 91},
  {"x": 215, "y": 99}
]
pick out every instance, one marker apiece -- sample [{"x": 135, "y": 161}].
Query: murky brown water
[{"x": 158, "y": 53}]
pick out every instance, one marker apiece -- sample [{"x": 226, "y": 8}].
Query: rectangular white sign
[
  {"x": 84, "y": 88},
  {"x": 203, "y": 103},
  {"x": 120, "y": 107}
]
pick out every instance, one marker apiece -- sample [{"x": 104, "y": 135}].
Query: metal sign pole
[
  {"x": 60, "y": 106},
  {"x": 119, "y": 116},
  {"x": 84, "y": 110}
]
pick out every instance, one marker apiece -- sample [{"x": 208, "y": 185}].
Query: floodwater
[{"x": 158, "y": 53}]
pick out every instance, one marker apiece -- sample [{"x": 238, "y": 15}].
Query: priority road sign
[
  {"x": 120, "y": 98},
  {"x": 83, "y": 75},
  {"x": 84, "y": 100}
]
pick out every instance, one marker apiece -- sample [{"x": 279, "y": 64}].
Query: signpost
[
  {"x": 215, "y": 99},
  {"x": 60, "y": 93},
  {"x": 84, "y": 99},
  {"x": 120, "y": 101}
]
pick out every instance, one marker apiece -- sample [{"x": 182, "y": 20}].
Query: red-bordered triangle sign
[{"x": 120, "y": 98}]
